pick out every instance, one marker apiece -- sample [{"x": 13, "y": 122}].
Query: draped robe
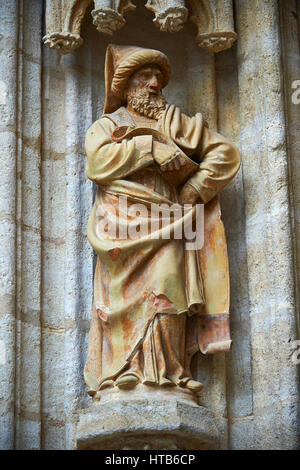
[{"x": 140, "y": 279}]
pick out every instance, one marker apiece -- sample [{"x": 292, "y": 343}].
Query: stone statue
[{"x": 155, "y": 302}]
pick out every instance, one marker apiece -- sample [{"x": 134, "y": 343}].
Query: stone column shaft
[
  {"x": 78, "y": 253},
  {"x": 211, "y": 370},
  {"x": 29, "y": 244},
  {"x": 290, "y": 40},
  {"x": 9, "y": 21},
  {"x": 268, "y": 231}
]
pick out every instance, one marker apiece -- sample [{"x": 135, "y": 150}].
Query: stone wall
[{"x": 47, "y": 103}]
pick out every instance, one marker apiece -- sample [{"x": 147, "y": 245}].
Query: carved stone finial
[
  {"x": 213, "y": 18},
  {"x": 63, "y": 23},
  {"x": 169, "y": 16},
  {"x": 214, "y": 21},
  {"x": 216, "y": 42},
  {"x": 107, "y": 20},
  {"x": 108, "y": 15},
  {"x": 64, "y": 42}
]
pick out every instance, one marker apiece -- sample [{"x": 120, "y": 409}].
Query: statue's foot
[
  {"x": 106, "y": 384},
  {"x": 166, "y": 383},
  {"x": 163, "y": 383},
  {"x": 152, "y": 383},
  {"x": 127, "y": 381},
  {"x": 194, "y": 385},
  {"x": 97, "y": 396}
]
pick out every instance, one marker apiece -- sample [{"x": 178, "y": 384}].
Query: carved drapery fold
[
  {"x": 215, "y": 24},
  {"x": 213, "y": 18}
]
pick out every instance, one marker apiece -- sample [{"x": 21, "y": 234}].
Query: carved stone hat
[{"x": 120, "y": 63}]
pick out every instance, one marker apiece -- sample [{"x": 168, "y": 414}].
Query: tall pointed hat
[{"x": 120, "y": 63}]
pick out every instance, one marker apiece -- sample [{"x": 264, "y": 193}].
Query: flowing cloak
[{"x": 140, "y": 276}]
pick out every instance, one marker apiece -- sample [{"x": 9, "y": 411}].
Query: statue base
[{"x": 147, "y": 418}]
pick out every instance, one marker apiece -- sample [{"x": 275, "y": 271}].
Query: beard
[{"x": 151, "y": 106}]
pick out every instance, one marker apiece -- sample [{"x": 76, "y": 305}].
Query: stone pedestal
[{"x": 146, "y": 418}]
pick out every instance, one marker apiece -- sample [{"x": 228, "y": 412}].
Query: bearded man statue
[{"x": 155, "y": 303}]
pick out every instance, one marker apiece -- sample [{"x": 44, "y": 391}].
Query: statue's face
[
  {"x": 147, "y": 80},
  {"x": 143, "y": 93}
]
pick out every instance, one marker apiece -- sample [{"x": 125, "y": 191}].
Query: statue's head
[
  {"x": 143, "y": 92},
  {"x": 135, "y": 77}
]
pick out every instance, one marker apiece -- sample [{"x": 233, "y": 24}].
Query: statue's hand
[
  {"x": 166, "y": 156},
  {"x": 188, "y": 195},
  {"x": 174, "y": 163}
]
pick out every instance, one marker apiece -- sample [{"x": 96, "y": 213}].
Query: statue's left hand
[{"x": 188, "y": 195}]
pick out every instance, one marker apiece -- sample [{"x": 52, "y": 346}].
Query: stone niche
[{"x": 156, "y": 421}]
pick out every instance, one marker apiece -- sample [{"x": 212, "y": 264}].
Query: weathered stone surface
[
  {"x": 63, "y": 24},
  {"x": 271, "y": 279},
  {"x": 108, "y": 17},
  {"x": 170, "y": 16},
  {"x": 8, "y": 135},
  {"x": 161, "y": 420},
  {"x": 215, "y": 24}
]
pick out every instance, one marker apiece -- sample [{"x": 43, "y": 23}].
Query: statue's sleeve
[
  {"x": 219, "y": 162},
  {"x": 108, "y": 160}
]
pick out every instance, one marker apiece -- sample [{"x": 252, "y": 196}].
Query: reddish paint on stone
[
  {"x": 102, "y": 315},
  {"x": 115, "y": 253}
]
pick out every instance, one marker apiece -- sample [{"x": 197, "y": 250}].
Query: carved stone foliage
[
  {"x": 170, "y": 15},
  {"x": 214, "y": 21},
  {"x": 108, "y": 14},
  {"x": 213, "y": 18},
  {"x": 63, "y": 23}
]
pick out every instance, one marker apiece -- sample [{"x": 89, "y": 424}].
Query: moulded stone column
[
  {"x": 268, "y": 230},
  {"x": 53, "y": 248},
  {"x": 78, "y": 265},
  {"x": 238, "y": 361},
  {"x": 9, "y": 21},
  {"x": 209, "y": 369},
  {"x": 290, "y": 34},
  {"x": 28, "y": 299}
]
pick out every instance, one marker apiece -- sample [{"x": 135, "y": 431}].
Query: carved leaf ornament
[{"x": 213, "y": 19}]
